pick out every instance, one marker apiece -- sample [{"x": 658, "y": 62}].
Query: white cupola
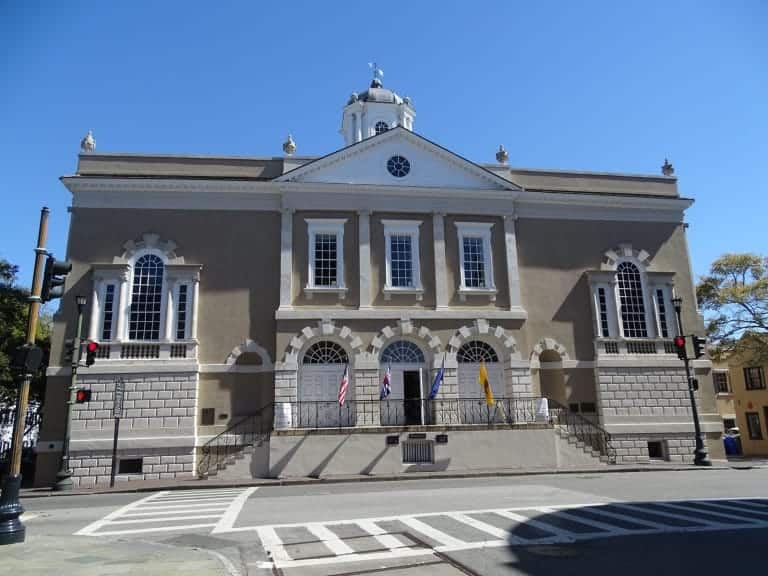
[{"x": 375, "y": 111}]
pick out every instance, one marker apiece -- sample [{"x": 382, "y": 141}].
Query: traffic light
[
  {"x": 90, "y": 352},
  {"x": 82, "y": 395},
  {"x": 53, "y": 278},
  {"x": 698, "y": 346},
  {"x": 27, "y": 358},
  {"x": 679, "y": 342},
  {"x": 69, "y": 349}
]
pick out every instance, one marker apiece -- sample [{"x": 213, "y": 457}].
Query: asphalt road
[{"x": 703, "y": 521}]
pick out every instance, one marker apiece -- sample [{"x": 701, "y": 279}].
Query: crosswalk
[
  {"x": 367, "y": 539},
  {"x": 172, "y": 511}
]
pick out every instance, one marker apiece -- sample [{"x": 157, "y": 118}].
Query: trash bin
[{"x": 731, "y": 448}]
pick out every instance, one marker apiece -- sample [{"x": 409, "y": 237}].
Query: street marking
[
  {"x": 707, "y": 512},
  {"x": 341, "y": 552},
  {"x": 227, "y": 521},
  {"x": 433, "y": 533},
  {"x": 165, "y": 507},
  {"x": 333, "y": 542},
  {"x": 733, "y": 508}
]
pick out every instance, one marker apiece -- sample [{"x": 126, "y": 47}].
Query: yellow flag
[{"x": 482, "y": 379}]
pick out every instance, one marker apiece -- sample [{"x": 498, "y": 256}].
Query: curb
[{"x": 198, "y": 484}]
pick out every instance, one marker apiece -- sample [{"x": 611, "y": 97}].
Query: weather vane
[{"x": 378, "y": 73}]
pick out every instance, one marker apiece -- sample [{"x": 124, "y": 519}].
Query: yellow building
[
  {"x": 724, "y": 395},
  {"x": 750, "y": 400}
]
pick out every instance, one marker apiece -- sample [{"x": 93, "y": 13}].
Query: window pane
[
  {"x": 603, "y": 313},
  {"x": 662, "y": 314},
  {"x": 631, "y": 300},
  {"x": 474, "y": 262},
  {"x": 146, "y": 298},
  {"x": 401, "y": 264},
  {"x": 181, "y": 313},
  {"x": 753, "y": 378},
  {"x": 325, "y": 260},
  {"x": 721, "y": 382},
  {"x": 109, "y": 305},
  {"x": 753, "y": 424}
]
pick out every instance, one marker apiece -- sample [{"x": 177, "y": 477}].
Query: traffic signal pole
[
  {"x": 64, "y": 475},
  {"x": 12, "y": 530},
  {"x": 700, "y": 454}
]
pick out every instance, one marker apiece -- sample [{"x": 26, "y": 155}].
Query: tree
[
  {"x": 14, "y": 309},
  {"x": 734, "y": 297}
]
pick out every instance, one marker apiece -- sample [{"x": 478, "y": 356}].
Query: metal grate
[
  {"x": 641, "y": 347},
  {"x": 418, "y": 452}
]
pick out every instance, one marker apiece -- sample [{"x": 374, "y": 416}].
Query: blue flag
[{"x": 438, "y": 381}]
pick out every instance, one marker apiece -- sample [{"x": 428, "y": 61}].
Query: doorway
[{"x": 412, "y": 397}]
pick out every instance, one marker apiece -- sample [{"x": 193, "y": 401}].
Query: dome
[{"x": 377, "y": 93}]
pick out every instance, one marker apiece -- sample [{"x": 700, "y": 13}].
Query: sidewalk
[
  {"x": 99, "y": 557},
  {"x": 194, "y": 483}
]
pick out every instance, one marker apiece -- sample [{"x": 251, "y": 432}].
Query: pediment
[{"x": 429, "y": 165}]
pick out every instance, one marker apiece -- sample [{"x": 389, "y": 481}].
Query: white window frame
[
  {"x": 611, "y": 308},
  {"x": 102, "y": 290},
  {"x": 474, "y": 230},
  {"x": 187, "y": 311},
  {"x": 408, "y": 228},
  {"x": 163, "y": 296},
  {"x": 669, "y": 310},
  {"x": 326, "y": 226},
  {"x": 649, "y": 298}
]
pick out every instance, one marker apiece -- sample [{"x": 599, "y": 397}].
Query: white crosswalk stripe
[
  {"x": 173, "y": 511},
  {"x": 505, "y": 526}
]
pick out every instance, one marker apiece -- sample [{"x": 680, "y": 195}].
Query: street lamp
[
  {"x": 700, "y": 455},
  {"x": 64, "y": 475}
]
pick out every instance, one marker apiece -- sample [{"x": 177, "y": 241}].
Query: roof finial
[
  {"x": 667, "y": 169},
  {"x": 378, "y": 74},
  {"x": 289, "y": 146},
  {"x": 501, "y": 155},
  {"x": 88, "y": 144}
]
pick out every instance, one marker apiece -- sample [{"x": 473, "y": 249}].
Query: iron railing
[
  {"x": 248, "y": 431},
  {"x": 417, "y": 412},
  {"x": 31, "y": 429},
  {"x": 584, "y": 430}
]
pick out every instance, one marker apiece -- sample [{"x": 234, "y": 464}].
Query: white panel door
[
  {"x": 319, "y": 394},
  {"x": 472, "y": 406}
]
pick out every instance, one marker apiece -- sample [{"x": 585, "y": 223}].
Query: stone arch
[
  {"x": 497, "y": 337},
  {"x": 249, "y": 347},
  {"x": 547, "y": 344},
  {"x": 149, "y": 242},
  {"x": 324, "y": 329},
  {"x": 405, "y": 329},
  {"x": 611, "y": 258}
]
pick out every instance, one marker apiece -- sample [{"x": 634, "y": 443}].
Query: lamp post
[
  {"x": 64, "y": 475},
  {"x": 700, "y": 455}
]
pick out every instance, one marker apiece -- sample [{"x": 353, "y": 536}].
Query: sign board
[{"x": 117, "y": 411}]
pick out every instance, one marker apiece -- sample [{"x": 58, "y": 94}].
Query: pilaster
[
  {"x": 441, "y": 282},
  {"x": 364, "y": 227}
]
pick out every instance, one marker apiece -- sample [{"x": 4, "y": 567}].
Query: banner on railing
[
  {"x": 542, "y": 409},
  {"x": 283, "y": 415}
]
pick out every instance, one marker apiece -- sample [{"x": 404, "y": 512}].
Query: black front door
[{"x": 412, "y": 395}]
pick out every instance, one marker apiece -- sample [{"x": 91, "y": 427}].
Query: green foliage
[
  {"x": 14, "y": 310},
  {"x": 734, "y": 297}
]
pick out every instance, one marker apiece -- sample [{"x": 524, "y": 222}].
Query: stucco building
[{"x": 230, "y": 288}]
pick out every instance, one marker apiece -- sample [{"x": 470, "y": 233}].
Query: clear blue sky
[{"x": 608, "y": 86}]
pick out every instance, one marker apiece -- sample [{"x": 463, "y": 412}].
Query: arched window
[
  {"x": 146, "y": 298},
  {"x": 402, "y": 352},
  {"x": 325, "y": 352},
  {"x": 631, "y": 303},
  {"x": 380, "y": 127},
  {"x": 476, "y": 351}
]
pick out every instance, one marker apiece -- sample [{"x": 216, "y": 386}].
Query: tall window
[
  {"x": 720, "y": 380},
  {"x": 109, "y": 310},
  {"x": 402, "y": 254},
  {"x": 753, "y": 425},
  {"x": 475, "y": 256},
  {"x": 754, "y": 379},
  {"x": 603, "y": 305},
  {"x": 631, "y": 301},
  {"x": 662, "y": 313},
  {"x": 181, "y": 313},
  {"x": 146, "y": 298},
  {"x": 326, "y": 253}
]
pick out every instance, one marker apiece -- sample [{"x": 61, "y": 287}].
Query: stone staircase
[{"x": 577, "y": 452}]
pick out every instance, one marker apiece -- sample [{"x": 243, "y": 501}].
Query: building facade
[
  {"x": 747, "y": 381},
  {"x": 221, "y": 288}
]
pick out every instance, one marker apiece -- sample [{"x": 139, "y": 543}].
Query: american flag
[
  {"x": 343, "y": 386},
  {"x": 386, "y": 385}
]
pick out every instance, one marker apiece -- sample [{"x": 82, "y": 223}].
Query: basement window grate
[{"x": 418, "y": 452}]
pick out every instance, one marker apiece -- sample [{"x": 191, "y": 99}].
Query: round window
[
  {"x": 398, "y": 166},
  {"x": 380, "y": 127}
]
